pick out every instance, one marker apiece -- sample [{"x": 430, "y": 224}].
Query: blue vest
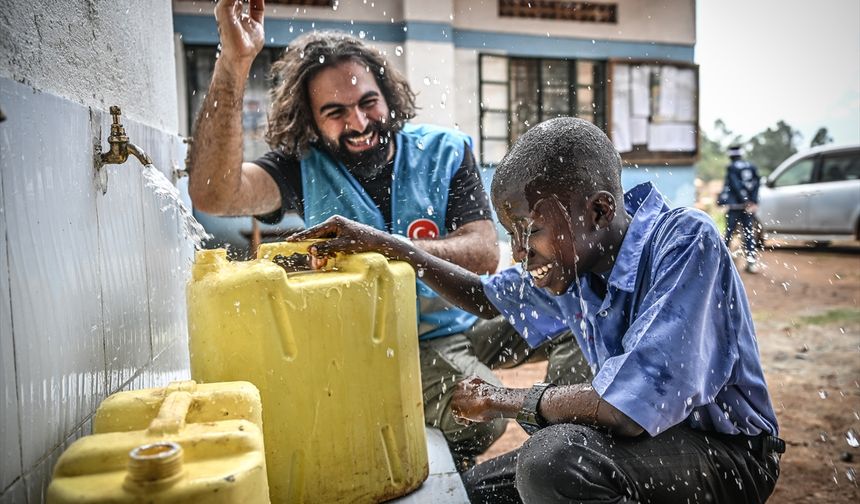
[{"x": 425, "y": 160}]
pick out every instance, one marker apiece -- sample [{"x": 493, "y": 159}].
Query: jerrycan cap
[{"x": 154, "y": 462}]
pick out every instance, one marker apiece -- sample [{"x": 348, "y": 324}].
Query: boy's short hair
[{"x": 565, "y": 156}]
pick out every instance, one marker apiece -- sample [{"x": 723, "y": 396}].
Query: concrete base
[{"x": 443, "y": 485}]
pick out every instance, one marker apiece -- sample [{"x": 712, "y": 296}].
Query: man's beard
[{"x": 365, "y": 164}]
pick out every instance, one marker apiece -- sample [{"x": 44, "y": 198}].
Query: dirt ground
[{"x": 806, "y": 307}]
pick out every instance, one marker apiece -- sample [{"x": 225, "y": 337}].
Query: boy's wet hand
[
  {"x": 343, "y": 235},
  {"x": 473, "y": 401}
]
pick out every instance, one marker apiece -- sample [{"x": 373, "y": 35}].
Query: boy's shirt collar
[{"x": 645, "y": 203}]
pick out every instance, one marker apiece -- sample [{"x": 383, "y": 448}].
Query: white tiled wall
[
  {"x": 91, "y": 285},
  {"x": 10, "y": 447}
]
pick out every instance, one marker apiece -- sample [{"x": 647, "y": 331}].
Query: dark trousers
[
  {"x": 573, "y": 463},
  {"x": 745, "y": 219}
]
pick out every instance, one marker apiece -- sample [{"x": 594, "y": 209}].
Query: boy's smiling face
[
  {"x": 556, "y": 242},
  {"x": 542, "y": 238}
]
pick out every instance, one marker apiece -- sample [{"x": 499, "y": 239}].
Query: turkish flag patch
[{"x": 422, "y": 229}]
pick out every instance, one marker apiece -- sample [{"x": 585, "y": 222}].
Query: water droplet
[
  {"x": 361, "y": 34},
  {"x": 822, "y": 393},
  {"x": 398, "y": 51},
  {"x": 354, "y": 80},
  {"x": 322, "y": 60},
  {"x": 851, "y": 438},
  {"x": 389, "y": 353},
  {"x": 426, "y": 81}
]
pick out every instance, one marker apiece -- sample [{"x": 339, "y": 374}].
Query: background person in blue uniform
[
  {"x": 342, "y": 146},
  {"x": 678, "y": 410},
  {"x": 740, "y": 197}
]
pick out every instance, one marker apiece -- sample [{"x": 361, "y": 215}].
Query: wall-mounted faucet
[
  {"x": 120, "y": 147},
  {"x": 118, "y": 152},
  {"x": 179, "y": 173}
]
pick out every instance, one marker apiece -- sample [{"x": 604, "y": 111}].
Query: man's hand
[
  {"x": 751, "y": 208},
  {"x": 344, "y": 235},
  {"x": 219, "y": 182},
  {"x": 242, "y": 35}
]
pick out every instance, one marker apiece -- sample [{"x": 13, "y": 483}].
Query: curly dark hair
[{"x": 291, "y": 121}]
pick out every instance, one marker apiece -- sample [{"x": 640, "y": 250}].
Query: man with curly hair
[{"x": 341, "y": 145}]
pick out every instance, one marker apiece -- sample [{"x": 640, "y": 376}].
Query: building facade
[{"x": 494, "y": 68}]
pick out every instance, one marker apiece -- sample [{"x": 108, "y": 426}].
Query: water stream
[{"x": 169, "y": 194}]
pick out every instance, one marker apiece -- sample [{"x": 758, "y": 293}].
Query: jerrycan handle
[
  {"x": 284, "y": 249},
  {"x": 171, "y": 415}
]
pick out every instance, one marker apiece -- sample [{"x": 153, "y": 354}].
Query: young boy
[{"x": 678, "y": 410}]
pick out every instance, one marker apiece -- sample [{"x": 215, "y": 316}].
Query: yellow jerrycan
[
  {"x": 335, "y": 356},
  {"x": 185, "y": 443}
]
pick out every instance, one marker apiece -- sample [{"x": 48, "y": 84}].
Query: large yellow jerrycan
[
  {"x": 185, "y": 443},
  {"x": 335, "y": 356}
]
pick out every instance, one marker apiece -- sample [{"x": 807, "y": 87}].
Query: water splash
[
  {"x": 169, "y": 194},
  {"x": 553, "y": 199},
  {"x": 524, "y": 239}
]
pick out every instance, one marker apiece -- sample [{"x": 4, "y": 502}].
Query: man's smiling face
[{"x": 351, "y": 115}]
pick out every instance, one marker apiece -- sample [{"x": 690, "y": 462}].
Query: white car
[{"x": 813, "y": 196}]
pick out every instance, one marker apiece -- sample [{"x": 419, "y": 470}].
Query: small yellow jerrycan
[
  {"x": 335, "y": 356},
  {"x": 185, "y": 443}
]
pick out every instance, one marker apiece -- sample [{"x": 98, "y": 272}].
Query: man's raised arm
[{"x": 219, "y": 182}]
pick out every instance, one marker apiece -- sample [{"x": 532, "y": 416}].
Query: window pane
[
  {"x": 843, "y": 167},
  {"x": 494, "y": 96},
  {"x": 584, "y": 101},
  {"x": 494, "y": 68},
  {"x": 494, "y": 151},
  {"x": 201, "y": 63},
  {"x": 584, "y": 72},
  {"x": 494, "y": 124},
  {"x": 524, "y": 96},
  {"x": 798, "y": 173},
  {"x": 555, "y": 87}
]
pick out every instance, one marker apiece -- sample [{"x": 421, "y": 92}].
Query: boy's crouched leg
[
  {"x": 569, "y": 463},
  {"x": 444, "y": 362}
]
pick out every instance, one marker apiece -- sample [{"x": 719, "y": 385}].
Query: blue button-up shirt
[{"x": 676, "y": 344}]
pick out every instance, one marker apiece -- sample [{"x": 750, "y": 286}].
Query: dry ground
[{"x": 806, "y": 306}]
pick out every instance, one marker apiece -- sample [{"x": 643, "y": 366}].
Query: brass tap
[{"x": 120, "y": 147}]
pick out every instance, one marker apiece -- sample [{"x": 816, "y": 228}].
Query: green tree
[
  {"x": 821, "y": 137},
  {"x": 772, "y": 146}
]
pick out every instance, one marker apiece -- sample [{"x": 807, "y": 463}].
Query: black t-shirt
[{"x": 467, "y": 201}]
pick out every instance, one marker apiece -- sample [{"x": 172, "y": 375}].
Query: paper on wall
[
  {"x": 639, "y": 130},
  {"x": 621, "y": 108},
  {"x": 667, "y": 100},
  {"x": 672, "y": 137},
  {"x": 640, "y": 91},
  {"x": 685, "y": 107}
]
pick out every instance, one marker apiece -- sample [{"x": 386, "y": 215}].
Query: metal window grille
[
  {"x": 517, "y": 93},
  {"x": 560, "y": 10}
]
